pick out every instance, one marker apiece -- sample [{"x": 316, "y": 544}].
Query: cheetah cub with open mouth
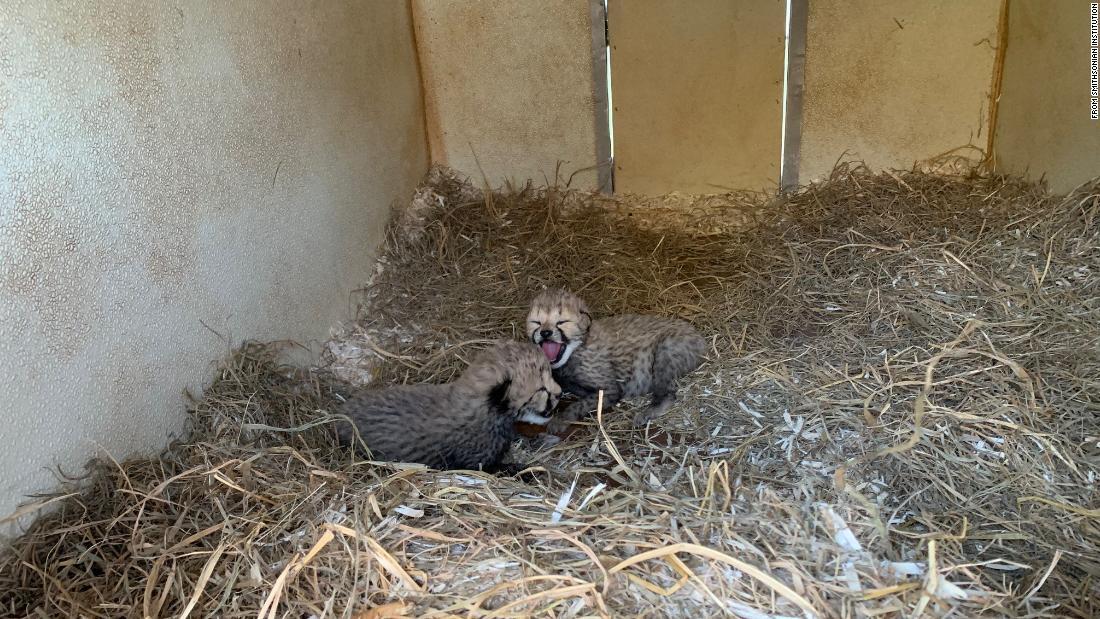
[
  {"x": 468, "y": 423},
  {"x": 626, "y": 356}
]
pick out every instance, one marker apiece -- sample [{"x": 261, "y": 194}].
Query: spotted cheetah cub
[
  {"x": 468, "y": 423},
  {"x": 626, "y": 356}
]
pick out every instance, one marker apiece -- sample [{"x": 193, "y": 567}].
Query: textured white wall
[{"x": 164, "y": 165}]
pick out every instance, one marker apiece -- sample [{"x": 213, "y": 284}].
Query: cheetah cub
[
  {"x": 468, "y": 423},
  {"x": 626, "y": 356}
]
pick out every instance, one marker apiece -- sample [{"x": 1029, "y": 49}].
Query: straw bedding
[{"x": 898, "y": 416}]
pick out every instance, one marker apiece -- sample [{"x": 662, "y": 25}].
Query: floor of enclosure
[{"x": 897, "y": 413}]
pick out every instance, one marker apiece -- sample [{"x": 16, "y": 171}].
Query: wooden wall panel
[
  {"x": 697, "y": 94},
  {"x": 894, "y": 83},
  {"x": 1044, "y": 126},
  {"x": 510, "y": 81}
]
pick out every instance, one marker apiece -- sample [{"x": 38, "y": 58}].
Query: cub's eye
[
  {"x": 534, "y": 322},
  {"x": 562, "y": 322}
]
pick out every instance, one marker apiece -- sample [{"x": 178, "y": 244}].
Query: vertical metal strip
[
  {"x": 794, "y": 80},
  {"x": 598, "y": 18}
]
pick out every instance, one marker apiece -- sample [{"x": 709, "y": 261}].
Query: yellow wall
[
  {"x": 508, "y": 87},
  {"x": 893, "y": 83},
  {"x": 697, "y": 94},
  {"x": 165, "y": 165},
  {"x": 1043, "y": 124}
]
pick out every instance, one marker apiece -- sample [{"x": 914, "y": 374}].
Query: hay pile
[{"x": 898, "y": 416}]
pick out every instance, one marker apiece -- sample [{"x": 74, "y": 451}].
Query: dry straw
[{"x": 898, "y": 417}]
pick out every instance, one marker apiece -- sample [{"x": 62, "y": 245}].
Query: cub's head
[
  {"x": 558, "y": 323},
  {"x": 516, "y": 378}
]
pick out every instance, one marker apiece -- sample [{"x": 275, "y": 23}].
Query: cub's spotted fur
[
  {"x": 625, "y": 356},
  {"x": 465, "y": 424}
]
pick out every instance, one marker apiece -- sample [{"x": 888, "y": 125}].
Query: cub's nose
[{"x": 546, "y": 334}]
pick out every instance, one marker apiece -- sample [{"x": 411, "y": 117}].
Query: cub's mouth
[{"x": 552, "y": 350}]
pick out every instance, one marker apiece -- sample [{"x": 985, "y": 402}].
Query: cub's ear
[
  {"x": 586, "y": 318},
  {"x": 498, "y": 395},
  {"x": 486, "y": 369}
]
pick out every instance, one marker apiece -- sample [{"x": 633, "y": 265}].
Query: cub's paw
[
  {"x": 557, "y": 425},
  {"x": 545, "y": 441},
  {"x": 652, "y": 413},
  {"x": 577, "y": 410},
  {"x": 519, "y": 471}
]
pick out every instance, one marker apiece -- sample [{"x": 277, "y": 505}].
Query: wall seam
[
  {"x": 990, "y": 160},
  {"x": 598, "y": 19},
  {"x": 422, "y": 80},
  {"x": 793, "y": 85}
]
